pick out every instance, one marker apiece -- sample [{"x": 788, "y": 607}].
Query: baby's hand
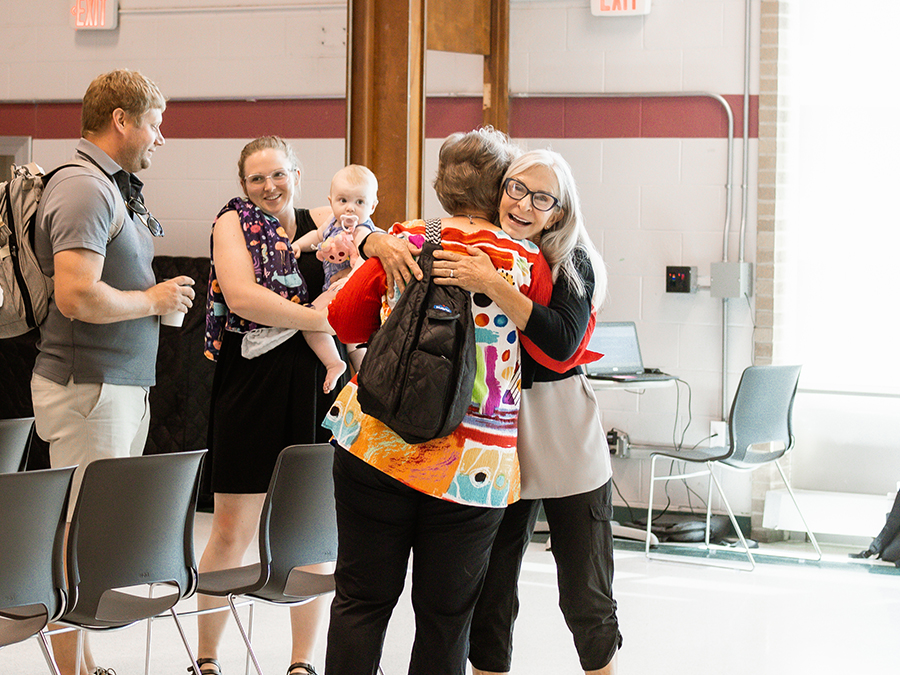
[
  {"x": 337, "y": 284},
  {"x": 295, "y": 248}
]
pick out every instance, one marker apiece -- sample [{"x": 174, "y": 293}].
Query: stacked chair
[
  {"x": 15, "y": 442},
  {"x": 129, "y": 556},
  {"x": 131, "y": 531},
  {"x": 33, "y": 507},
  {"x": 297, "y": 528}
]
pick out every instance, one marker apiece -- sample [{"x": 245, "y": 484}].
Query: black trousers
[
  {"x": 887, "y": 543},
  {"x": 582, "y": 544},
  {"x": 380, "y": 521}
]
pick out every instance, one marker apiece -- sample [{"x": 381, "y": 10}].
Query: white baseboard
[{"x": 836, "y": 513}]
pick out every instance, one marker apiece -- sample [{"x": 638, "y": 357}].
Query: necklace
[{"x": 471, "y": 217}]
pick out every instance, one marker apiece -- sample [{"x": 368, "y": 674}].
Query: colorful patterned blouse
[
  {"x": 274, "y": 265},
  {"x": 477, "y": 463}
]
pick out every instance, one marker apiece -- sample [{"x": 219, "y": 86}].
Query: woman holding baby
[{"x": 262, "y": 404}]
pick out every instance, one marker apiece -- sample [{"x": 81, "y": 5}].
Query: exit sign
[
  {"x": 619, "y": 7},
  {"x": 94, "y": 14}
]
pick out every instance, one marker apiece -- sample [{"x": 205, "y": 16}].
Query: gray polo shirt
[{"x": 76, "y": 210}]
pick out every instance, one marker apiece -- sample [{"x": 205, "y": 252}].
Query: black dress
[{"x": 259, "y": 406}]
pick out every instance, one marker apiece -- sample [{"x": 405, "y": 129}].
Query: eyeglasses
[
  {"x": 542, "y": 201},
  {"x": 280, "y": 178},
  {"x": 136, "y": 206}
]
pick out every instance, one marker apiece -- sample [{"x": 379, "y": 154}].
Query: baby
[{"x": 353, "y": 198}]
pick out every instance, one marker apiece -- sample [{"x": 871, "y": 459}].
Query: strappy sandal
[
  {"x": 306, "y": 666},
  {"x": 207, "y": 671}
]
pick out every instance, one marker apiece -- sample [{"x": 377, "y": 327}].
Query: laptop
[{"x": 621, "y": 362}]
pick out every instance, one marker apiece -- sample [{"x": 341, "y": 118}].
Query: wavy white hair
[{"x": 559, "y": 242}]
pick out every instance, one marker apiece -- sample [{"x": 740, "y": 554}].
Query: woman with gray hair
[
  {"x": 561, "y": 445},
  {"x": 441, "y": 500}
]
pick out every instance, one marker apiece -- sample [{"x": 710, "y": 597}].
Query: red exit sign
[
  {"x": 619, "y": 7},
  {"x": 94, "y": 14}
]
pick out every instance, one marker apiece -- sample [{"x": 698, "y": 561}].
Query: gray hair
[{"x": 560, "y": 241}]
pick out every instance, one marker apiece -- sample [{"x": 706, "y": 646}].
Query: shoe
[
  {"x": 104, "y": 671},
  {"x": 215, "y": 669},
  {"x": 294, "y": 669},
  {"x": 874, "y": 551}
]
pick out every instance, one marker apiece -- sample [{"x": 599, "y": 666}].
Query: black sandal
[
  {"x": 306, "y": 666},
  {"x": 207, "y": 671}
]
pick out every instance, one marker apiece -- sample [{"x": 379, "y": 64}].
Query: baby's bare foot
[{"x": 332, "y": 373}]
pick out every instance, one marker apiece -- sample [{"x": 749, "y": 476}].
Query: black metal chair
[
  {"x": 15, "y": 442},
  {"x": 297, "y": 528},
  {"x": 131, "y": 532},
  {"x": 759, "y": 433},
  {"x": 33, "y": 507}
]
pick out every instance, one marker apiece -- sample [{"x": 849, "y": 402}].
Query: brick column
[{"x": 769, "y": 239}]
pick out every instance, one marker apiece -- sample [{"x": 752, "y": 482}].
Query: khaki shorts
[{"x": 84, "y": 422}]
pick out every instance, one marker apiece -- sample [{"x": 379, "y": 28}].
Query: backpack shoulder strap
[{"x": 119, "y": 215}]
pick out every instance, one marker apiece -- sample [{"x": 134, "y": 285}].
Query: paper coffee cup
[{"x": 175, "y": 319}]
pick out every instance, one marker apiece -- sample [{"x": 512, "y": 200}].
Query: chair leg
[
  {"x": 709, "y": 487},
  {"x": 812, "y": 537},
  {"x": 147, "y": 648},
  {"x": 734, "y": 522},
  {"x": 244, "y": 635},
  {"x": 187, "y": 645},
  {"x": 250, "y": 613},
  {"x": 650, "y": 505},
  {"x": 79, "y": 649},
  {"x": 149, "y": 628},
  {"x": 45, "y": 649}
]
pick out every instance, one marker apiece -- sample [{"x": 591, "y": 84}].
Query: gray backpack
[{"x": 25, "y": 291}]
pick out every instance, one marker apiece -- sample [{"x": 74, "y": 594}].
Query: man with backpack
[{"x": 98, "y": 345}]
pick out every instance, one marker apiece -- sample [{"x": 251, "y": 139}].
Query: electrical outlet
[{"x": 718, "y": 434}]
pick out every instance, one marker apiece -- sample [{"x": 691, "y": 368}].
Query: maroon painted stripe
[
  {"x": 632, "y": 117},
  {"x": 551, "y": 117}
]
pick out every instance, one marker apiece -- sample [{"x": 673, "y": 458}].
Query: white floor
[{"x": 676, "y": 618}]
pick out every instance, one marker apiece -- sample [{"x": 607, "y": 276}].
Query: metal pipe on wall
[{"x": 745, "y": 197}]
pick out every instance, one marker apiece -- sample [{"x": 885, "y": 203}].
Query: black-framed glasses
[
  {"x": 542, "y": 201},
  {"x": 136, "y": 206}
]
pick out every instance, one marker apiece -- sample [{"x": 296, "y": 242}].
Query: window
[{"x": 839, "y": 279}]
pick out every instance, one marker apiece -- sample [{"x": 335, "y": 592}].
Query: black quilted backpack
[{"x": 419, "y": 370}]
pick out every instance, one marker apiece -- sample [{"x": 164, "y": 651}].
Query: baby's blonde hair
[{"x": 357, "y": 174}]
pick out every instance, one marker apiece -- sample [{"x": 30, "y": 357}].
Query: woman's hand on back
[
  {"x": 473, "y": 272},
  {"x": 396, "y": 257}
]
